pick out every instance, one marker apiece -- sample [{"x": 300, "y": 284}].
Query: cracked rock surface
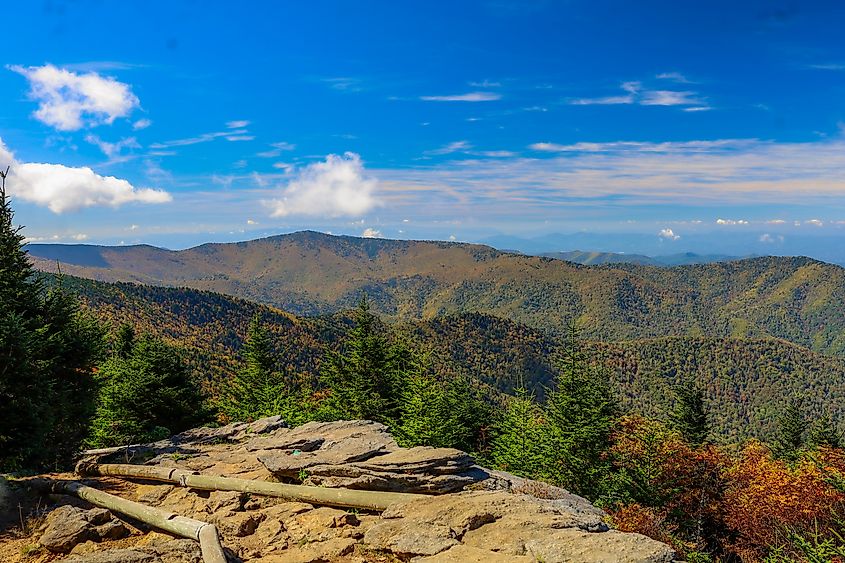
[{"x": 477, "y": 515}]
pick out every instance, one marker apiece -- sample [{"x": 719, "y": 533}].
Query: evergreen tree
[
  {"x": 519, "y": 435},
  {"x": 789, "y": 440},
  {"x": 365, "y": 379},
  {"x": 690, "y": 414},
  {"x": 48, "y": 350},
  {"x": 123, "y": 341},
  {"x": 581, "y": 413},
  {"x": 823, "y": 432},
  {"x": 146, "y": 396},
  {"x": 432, "y": 412},
  {"x": 259, "y": 389}
]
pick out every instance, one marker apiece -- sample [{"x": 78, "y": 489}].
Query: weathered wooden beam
[
  {"x": 203, "y": 532},
  {"x": 345, "y": 498}
]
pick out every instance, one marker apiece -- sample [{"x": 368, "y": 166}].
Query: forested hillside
[
  {"x": 307, "y": 273},
  {"x": 747, "y": 381}
]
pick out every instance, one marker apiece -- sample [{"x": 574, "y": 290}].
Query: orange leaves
[
  {"x": 767, "y": 499},
  {"x": 743, "y": 504}
]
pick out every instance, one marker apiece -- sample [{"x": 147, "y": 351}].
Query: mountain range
[{"x": 797, "y": 299}]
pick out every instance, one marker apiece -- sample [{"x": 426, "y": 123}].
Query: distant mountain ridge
[
  {"x": 307, "y": 273},
  {"x": 599, "y": 258}
]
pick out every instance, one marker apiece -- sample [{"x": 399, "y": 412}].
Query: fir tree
[
  {"x": 146, "y": 396},
  {"x": 789, "y": 440},
  {"x": 519, "y": 435},
  {"x": 260, "y": 389},
  {"x": 823, "y": 433},
  {"x": 365, "y": 379},
  {"x": 48, "y": 350},
  {"x": 690, "y": 414},
  {"x": 581, "y": 412}
]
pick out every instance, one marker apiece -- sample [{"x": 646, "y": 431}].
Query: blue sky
[{"x": 713, "y": 127}]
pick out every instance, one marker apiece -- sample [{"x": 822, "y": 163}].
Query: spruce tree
[
  {"x": 789, "y": 440},
  {"x": 260, "y": 388},
  {"x": 365, "y": 378},
  {"x": 581, "y": 412},
  {"x": 518, "y": 445},
  {"x": 146, "y": 396},
  {"x": 690, "y": 414},
  {"x": 823, "y": 433},
  {"x": 48, "y": 350}
]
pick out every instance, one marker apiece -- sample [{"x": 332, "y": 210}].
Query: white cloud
[
  {"x": 668, "y": 234},
  {"x": 277, "y": 149},
  {"x": 141, "y": 124},
  {"x": 769, "y": 239},
  {"x": 457, "y": 146},
  {"x": 674, "y": 77},
  {"x": 636, "y": 94},
  {"x": 815, "y": 222},
  {"x": 251, "y": 222},
  {"x": 69, "y": 101},
  {"x": 468, "y": 97},
  {"x": 335, "y": 187},
  {"x": 204, "y": 138},
  {"x": 371, "y": 233},
  {"x": 112, "y": 150},
  {"x": 61, "y": 188},
  {"x": 669, "y": 98},
  {"x": 731, "y": 222},
  {"x": 485, "y": 84},
  {"x": 239, "y": 137},
  {"x": 237, "y": 124}
]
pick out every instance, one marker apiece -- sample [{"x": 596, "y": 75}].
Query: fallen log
[
  {"x": 203, "y": 532},
  {"x": 345, "y": 498}
]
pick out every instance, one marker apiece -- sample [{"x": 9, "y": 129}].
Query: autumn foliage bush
[{"x": 736, "y": 507}]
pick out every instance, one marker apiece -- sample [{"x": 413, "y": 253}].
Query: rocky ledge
[{"x": 474, "y": 514}]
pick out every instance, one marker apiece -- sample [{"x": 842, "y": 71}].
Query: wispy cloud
[
  {"x": 636, "y": 93},
  {"x": 277, "y": 149},
  {"x": 456, "y": 146},
  {"x": 344, "y": 83},
  {"x": 238, "y": 124},
  {"x": 231, "y": 135},
  {"x": 113, "y": 150},
  {"x": 674, "y": 77},
  {"x": 468, "y": 97},
  {"x": 485, "y": 84},
  {"x": 827, "y": 66}
]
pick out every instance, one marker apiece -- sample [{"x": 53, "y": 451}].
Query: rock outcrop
[{"x": 476, "y": 515}]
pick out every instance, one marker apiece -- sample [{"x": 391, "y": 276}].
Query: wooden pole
[
  {"x": 203, "y": 532},
  {"x": 346, "y": 498}
]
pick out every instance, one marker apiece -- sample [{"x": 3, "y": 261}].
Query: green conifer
[
  {"x": 518, "y": 445},
  {"x": 690, "y": 414},
  {"x": 789, "y": 440}
]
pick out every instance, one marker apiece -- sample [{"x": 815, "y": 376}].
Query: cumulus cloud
[
  {"x": 814, "y": 222},
  {"x": 335, "y": 187},
  {"x": 668, "y": 234},
  {"x": 468, "y": 97},
  {"x": 69, "y": 101},
  {"x": 731, "y": 222},
  {"x": 62, "y": 188},
  {"x": 371, "y": 233},
  {"x": 769, "y": 239}
]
